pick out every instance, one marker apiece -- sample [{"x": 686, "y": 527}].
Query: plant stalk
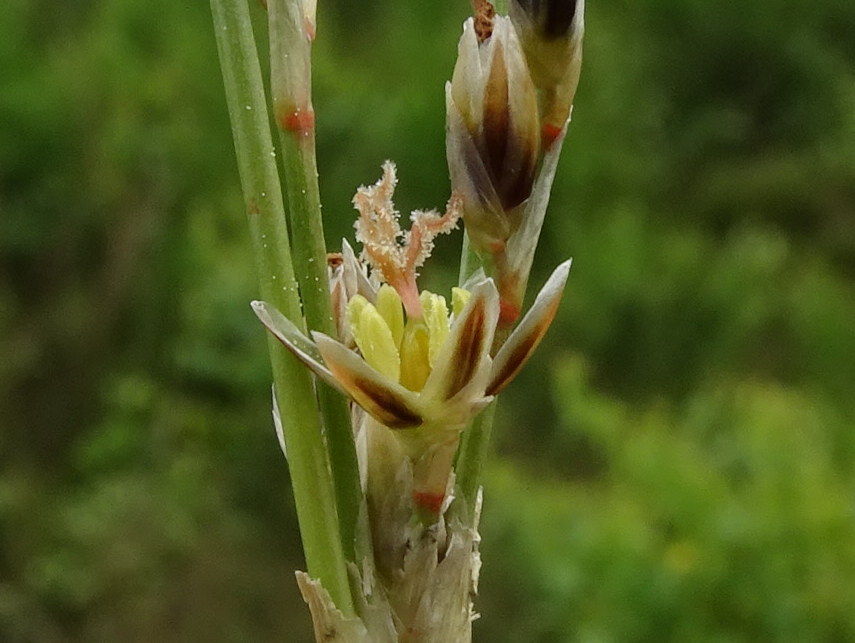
[
  {"x": 472, "y": 453},
  {"x": 309, "y": 465},
  {"x": 290, "y": 52}
]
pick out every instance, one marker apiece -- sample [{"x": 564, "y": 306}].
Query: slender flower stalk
[
  {"x": 311, "y": 475},
  {"x": 292, "y": 30}
]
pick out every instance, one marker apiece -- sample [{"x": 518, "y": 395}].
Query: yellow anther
[
  {"x": 373, "y": 337},
  {"x": 436, "y": 319},
  {"x": 415, "y": 365},
  {"x": 459, "y": 299},
  {"x": 354, "y": 309},
  {"x": 390, "y": 309}
]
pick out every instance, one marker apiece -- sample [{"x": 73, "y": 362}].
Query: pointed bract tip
[
  {"x": 522, "y": 342},
  {"x": 563, "y": 269}
]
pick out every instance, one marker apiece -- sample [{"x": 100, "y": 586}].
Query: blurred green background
[{"x": 676, "y": 464}]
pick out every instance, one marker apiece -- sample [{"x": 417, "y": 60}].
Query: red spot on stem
[
  {"x": 309, "y": 28},
  {"x": 252, "y": 208},
  {"x": 431, "y": 502},
  {"x": 550, "y": 133},
  {"x": 508, "y": 312},
  {"x": 299, "y": 121}
]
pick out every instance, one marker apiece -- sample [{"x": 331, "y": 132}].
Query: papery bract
[{"x": 551, "y": 33}]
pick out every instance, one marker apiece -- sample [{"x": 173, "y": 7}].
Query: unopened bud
[
  {"x": 551, "y": 34},
  {"x": 292, "y": 30},
  {"x": 493, "y": 132}
]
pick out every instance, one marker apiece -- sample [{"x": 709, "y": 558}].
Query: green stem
[
  {"x": 469, "y": 261},
  {"x": 475, "y": 441},
  {"x": 290, "y": 50},
  {"x": 472, "y": 453},
  {"x": 308, "y": 461}
]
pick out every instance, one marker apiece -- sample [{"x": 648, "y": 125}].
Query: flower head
[
  {"x": 492, "y": 133},
  {"x": 508, "y": 106},
  {"x": 438, "y": 371},
  {"x": 424, "y": 378},
  {"x": 424, "y": 375}
]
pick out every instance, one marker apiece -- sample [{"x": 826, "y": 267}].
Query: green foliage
[
  {"x": 728, "y": 518},
  {"x": 678, "y": 463}
]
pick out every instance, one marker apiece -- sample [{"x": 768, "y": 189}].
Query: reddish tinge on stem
[{"x": 296, "y": 120}]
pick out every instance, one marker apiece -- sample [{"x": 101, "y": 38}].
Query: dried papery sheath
[
  {"x": 425, "y": 595},
  {"x": 551, "y": 33}
]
